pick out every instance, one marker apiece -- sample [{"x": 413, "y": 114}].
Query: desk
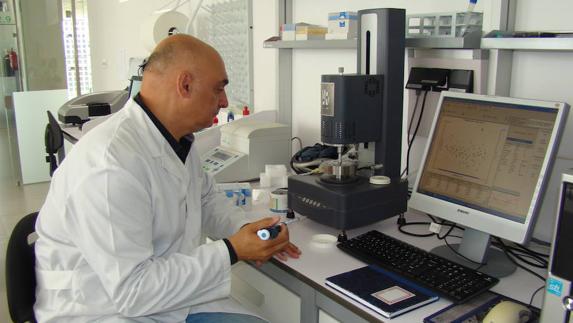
[{"x": 305, "y": 276}]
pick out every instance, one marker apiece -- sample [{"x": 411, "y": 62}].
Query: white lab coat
[{"x": 120, "y": 233}]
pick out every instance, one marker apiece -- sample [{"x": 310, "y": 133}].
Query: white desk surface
[{"x": 316, "y": 264}]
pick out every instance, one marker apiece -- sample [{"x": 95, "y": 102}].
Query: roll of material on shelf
[
  {"x": 279, "y": 201},
  {"x": 162, "y": 25}
]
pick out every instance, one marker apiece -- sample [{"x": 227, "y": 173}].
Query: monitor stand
[{"x": 476, "y": 246}]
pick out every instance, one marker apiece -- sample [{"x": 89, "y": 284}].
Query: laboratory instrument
[
  {"x": 361, "y": 110},
  {"x": 485, "y": 167},
  {"x": 246, "y": 147},
  {"x": 558, "y": 302},
  {"x": 80, "y": 109}
]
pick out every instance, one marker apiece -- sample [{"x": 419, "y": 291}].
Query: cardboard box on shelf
[{"x": 310, "y": 32}]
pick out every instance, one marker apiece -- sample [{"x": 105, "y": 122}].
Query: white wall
[
  {"x": 265, "y": 17},
  {"x": 115, "y": 37}
]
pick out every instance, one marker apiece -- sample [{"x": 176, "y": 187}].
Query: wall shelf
[
  {"x": 312, "y": 44},
  {"x": 541, "y": 44},
  {"x": 470, "y": 41}
]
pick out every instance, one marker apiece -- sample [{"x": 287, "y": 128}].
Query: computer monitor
[
  {"x": 485, "y": 166},
  {"x": 134, "y": 85}
]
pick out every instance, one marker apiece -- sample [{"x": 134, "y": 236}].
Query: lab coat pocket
[
  {"x": 89, "y": 295},
  {"x": 78, "y": 287}
]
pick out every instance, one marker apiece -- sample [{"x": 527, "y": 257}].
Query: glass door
[{"x": 10, "y": 81}]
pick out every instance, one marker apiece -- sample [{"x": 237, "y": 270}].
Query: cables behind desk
[{"x": 520, "y": 255}]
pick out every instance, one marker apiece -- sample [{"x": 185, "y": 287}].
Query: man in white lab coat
[{"x": 121, "y": 233}]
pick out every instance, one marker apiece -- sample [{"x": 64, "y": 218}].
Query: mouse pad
[{"x": 475, "y": 310}]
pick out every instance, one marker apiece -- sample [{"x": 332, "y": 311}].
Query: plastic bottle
[
  {"x": 246, "y": 111},
  {"x": 230, "y": 116},
  {"x": 467, "y": 16}
]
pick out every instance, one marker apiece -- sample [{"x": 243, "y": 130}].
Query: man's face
[{"x": 208, "y": 94}]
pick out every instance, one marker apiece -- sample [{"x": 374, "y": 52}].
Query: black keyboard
[{"x": 446, "y": 278}]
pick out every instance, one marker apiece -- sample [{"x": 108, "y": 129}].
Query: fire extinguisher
[
  {"x": 13, "y": 60},
  {"x": 8, "y": 71}
]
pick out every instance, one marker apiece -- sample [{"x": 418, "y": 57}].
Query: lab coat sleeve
[
  {"x": 221, "y": 218},
  {"x": 109, "y": 218}
]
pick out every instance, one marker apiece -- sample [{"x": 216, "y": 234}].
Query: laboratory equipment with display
[
  {"x": 246, "y": 147},
  {"x": 84, "y": 107},
  {"x": 362, "y": 112}
]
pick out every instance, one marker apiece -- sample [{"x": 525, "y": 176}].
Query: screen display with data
[
  {"x": 221, "y": 156},
  {"x": 488, "y": 155}
]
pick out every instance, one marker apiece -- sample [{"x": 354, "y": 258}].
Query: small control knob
[{"x": 342, "y": 237}]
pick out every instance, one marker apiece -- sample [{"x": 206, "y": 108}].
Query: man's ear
[{"x": 184, "y": 84}]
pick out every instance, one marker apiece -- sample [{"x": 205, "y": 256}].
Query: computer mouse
[{"x": 508, "y": 312}]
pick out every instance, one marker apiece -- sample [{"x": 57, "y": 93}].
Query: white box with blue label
[
  {"x": 343, "y": 22},
  {"x": 288, "y": 31}
]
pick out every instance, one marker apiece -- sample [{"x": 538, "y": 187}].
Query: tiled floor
[{"x": 15, "y": 202}]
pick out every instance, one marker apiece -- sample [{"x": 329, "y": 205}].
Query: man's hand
[
  {"x": 289, "y": 251},
  {"x": 249, "y": 246}
]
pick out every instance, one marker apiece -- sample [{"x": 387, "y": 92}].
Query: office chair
[
  {"x": 54, "y": 140},
  {"x": 20, "y": 271}
]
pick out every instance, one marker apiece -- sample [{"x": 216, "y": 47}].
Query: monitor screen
[
  {"x": 486, "y": 161},
  {"x": 135, "y": 85},
  {"x": 488, "y": 155}
]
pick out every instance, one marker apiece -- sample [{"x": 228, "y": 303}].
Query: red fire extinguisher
[
  {"x": 7, "y": 69},
  {"x": 13, "y": 60}
]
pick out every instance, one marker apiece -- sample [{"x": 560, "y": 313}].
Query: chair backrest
[
  {"x": 20, "y": 271},
  {"x": 54, "y": 141}
]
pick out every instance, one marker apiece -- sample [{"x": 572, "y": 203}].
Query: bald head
[
  {"x": 183, "y": 84},
  {"x": 178, "y": 51}
]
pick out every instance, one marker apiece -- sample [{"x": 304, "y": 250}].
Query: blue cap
[{"x": 264, "y": 234}]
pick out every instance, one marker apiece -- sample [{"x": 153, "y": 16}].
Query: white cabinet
[
  {"x": 30, "y": 111},
  {"x": 324, "y": 317},
  {"x": 262, "y": 295}
]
